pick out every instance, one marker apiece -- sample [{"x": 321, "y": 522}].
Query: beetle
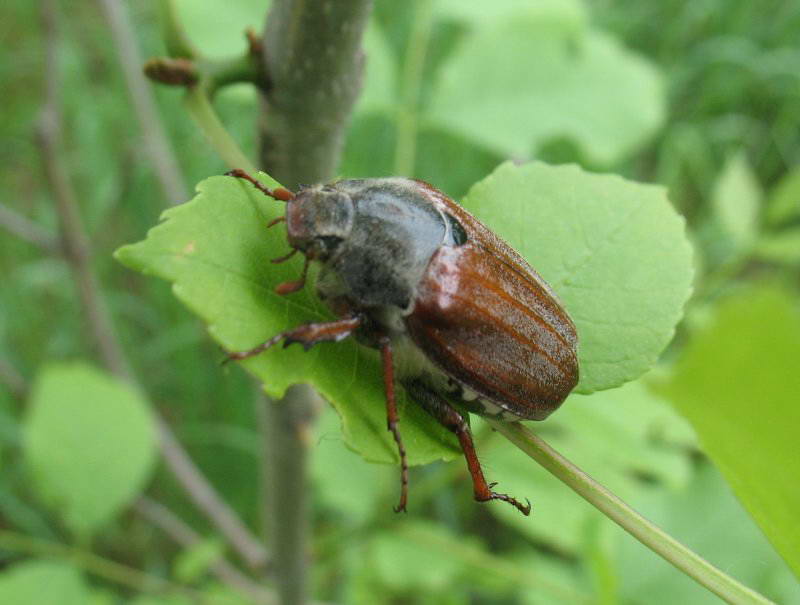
[{"x": 456, "y": 313}]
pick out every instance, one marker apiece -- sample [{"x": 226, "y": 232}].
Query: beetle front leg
[
  {"x": 454, "y": 421},
  {"x": 307, "y": 335},
  {"x": 392, "y": 419}
]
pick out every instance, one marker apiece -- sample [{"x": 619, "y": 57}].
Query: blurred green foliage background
[{"x": 702, "y": 97}]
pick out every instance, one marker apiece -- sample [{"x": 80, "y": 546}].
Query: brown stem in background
[
  {"x": 181, "y": 533},
  {"x": 286, "y": 427},
  {"x": 77, "y": 253},
  {"x": 25, "y": 229},
  {"x": 312, "y": 53},
  {"x": 313, "y": 56},
  {"x": 159, "y": 150},
  {"x": 13, "y": 380}
]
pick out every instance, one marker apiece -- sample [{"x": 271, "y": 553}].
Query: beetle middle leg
[
  {"x": 392, "y": 418},
  {"x": 454, "y": 421},
  {"x": 307, "y": 335}
]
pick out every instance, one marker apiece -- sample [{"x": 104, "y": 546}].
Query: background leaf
[
  {"x": 89, "y": 442},
  {"x": 521, "y": 82},
  {"x": 738, "y": 384},
  {"x": 783, "y": 205},
  {"x": 706, "y": 517},
  {"x": 735, "y": 202},
  {"x": 613, "y": 250},
  {"x": 43, "y": 583}
]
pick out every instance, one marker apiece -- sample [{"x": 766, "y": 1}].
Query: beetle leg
[
  {"x": 454, "y": 421},
  {"x": 290, "y": 287},
  {"x": 392, "y": 418},
  {"x": 279, "y": 193},
  {"x": 307, "y": 335}
]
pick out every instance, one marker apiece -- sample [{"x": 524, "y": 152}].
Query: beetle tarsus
[
  {"x": 392, "y": 419},
  {"x": 525, "y": 509}
]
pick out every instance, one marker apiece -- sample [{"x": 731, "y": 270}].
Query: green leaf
[
  {"x": 735, "y": 204},
  {"x": 614, "y": 251},
  {"x": 708, "y": 519},
  {"x": 217, "y": 28},
  {"x": 738, "y": 384},
  {"x": 334, "y": 465},
  {"x": 381, "y": 72},
  {"x": 168, "y": 600},
  {"x": 782, "y": 247},
  {"x": 784, "y": 200},
  {"x": 89, "y": 442},
  {"x": 43, "y": 583},
  {"x": 193, "y": 562},
  {"x": 567, "y": 15},
  {"x": 410, "y": 557},
  {"x": 216, "y": 250},
  {"x": 519, "y": 82}
]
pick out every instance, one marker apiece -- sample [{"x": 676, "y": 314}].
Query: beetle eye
[{"x": 458, "y": 235}]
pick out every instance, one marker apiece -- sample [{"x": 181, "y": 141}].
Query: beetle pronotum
[{"x": 456, "y": 313}]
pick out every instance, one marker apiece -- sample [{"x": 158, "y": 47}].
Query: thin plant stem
[
  {"x": 200, "y": 108},
  {"x": 312, "y": 53},
  {"x": 690, "y": 563},
  {"x": 78, "y": 255},
  {"x": 286, "y": 434},
  {"x": 181, "y": 533},
  {"x": 25, "y": 229},
  {"x": 14, "y": 381},
  {"x": 159, "y": 150},
  {"x": 411, "y": 83},
  {"x": 95, "y": 564}
]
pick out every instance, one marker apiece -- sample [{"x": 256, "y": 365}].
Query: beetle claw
[{"x": 525, "y": 509}]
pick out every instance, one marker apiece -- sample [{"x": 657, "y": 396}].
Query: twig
[
  {"x": 185, "y": 536},
  {"x": 285, "y": 429},
  {"x": 98, "y": 317},
  {"x": 75, "y": 242},
  {"x": 104, "y": 568},
  {"x": 158, "y": 147},
  {"x": 405, "y": 151},
  {"x": 208, "y": 500},
  {"x": 27, "y": 230},
  {"x": 200, "y": 108},
  {"x": 313, "y": 56},
  {"x": 315, "y": 64},
  {"x": 13, "y": 380},
  {"x": 640, "y": 528}
]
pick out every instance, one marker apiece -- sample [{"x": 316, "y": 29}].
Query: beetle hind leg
[
  {"x": 454, "y": 421},
  {"x": 392, "y": 418}
]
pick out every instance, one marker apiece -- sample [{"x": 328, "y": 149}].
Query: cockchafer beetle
[{"x": 456, "y": 313}]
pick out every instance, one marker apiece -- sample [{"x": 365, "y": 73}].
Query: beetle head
[{"x": 318, "y": 219}]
